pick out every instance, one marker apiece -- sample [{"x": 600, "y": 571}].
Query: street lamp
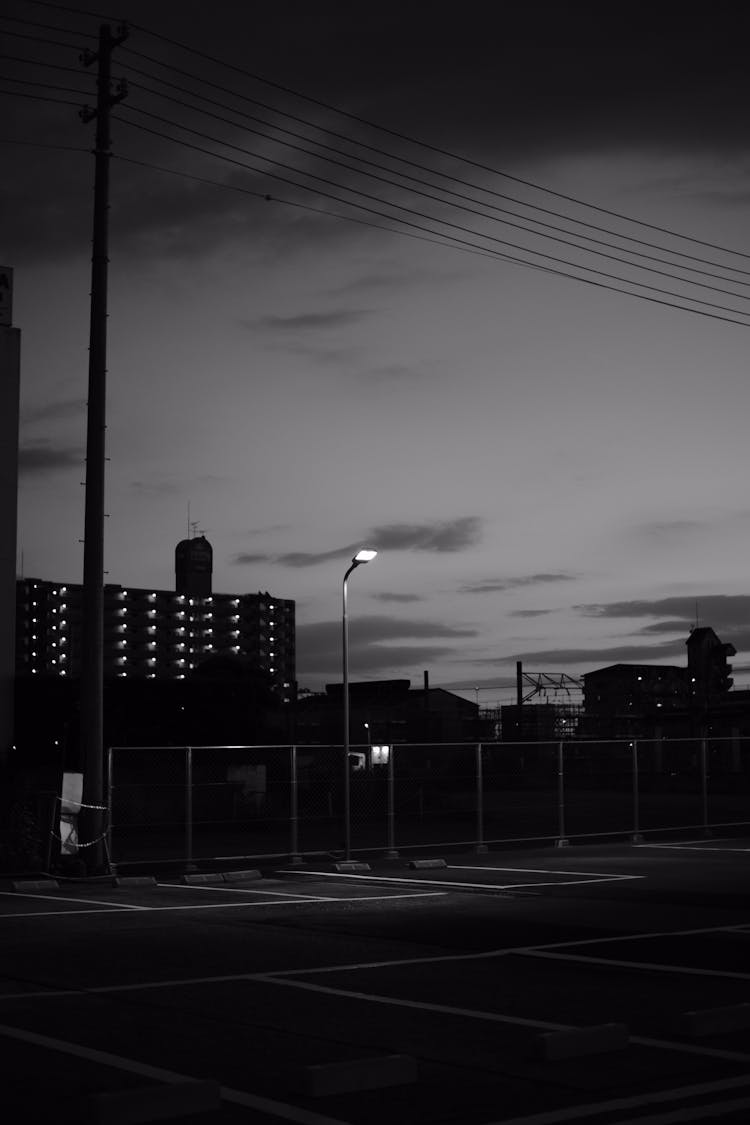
[{"x": 365, "y": 555}]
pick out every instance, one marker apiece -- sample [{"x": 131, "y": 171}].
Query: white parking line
[
  {"x": 65, "y": 898},
  {"x": 493, "y": 1017},
  {"x": 594, "y": 1109},
  {"x": 133, "y": 1066},
  {"x": 645, "y": 965},
  {"x": 455, "y": 884},
  {"x": 540, "y": 871},
  {"x": 299, "y": 900},
  {"x": 688, "y": 847}
]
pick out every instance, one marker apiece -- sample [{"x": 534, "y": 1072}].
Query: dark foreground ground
[{"x": 473, "y": 971}]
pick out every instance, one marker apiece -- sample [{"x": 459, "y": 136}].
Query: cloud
[
  {"x": 591, "y": 658},
  {"x": 41, "y": 457},
  {"x": 499, "y": 585},
  {"x": 334, "y": 318},
  {"x": 46, "y": 411},
  {"x": 244, "y": 558},
  {"x": 445, "y": 536},
  {"x": 393, "y": 371},
  {"x": 371, "y": 646},
  {"x": 397, "y": 597},
  {"x": 716, "y": 610},
  {"x": 530, "y": 612}
]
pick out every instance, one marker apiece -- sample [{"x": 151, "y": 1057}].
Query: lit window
[
  {"x": 62, "y": 671},
  {"x": 152, "y": 628},
  {"x": 151, "y": 613},
  {"x": 152, "y": 644},
  {"x": 63, "y": 589},
  {"x": 152, "y": 597},
  {"x": 152, "y": 660}
]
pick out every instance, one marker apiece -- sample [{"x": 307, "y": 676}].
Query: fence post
[
  {"x": 189, "y": 865},
  {"x": 481, "y": 848},
  {"x": 294, "y": 854},
  {"x": 391, "y": 852},
  {"x": 561, "y": 841},
  {"x": 704, "y": 788},
  {"x": 636, "y": 838},
  {"x": 108, "y": 813}
]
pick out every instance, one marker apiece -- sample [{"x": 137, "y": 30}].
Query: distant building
[
  {"x": 157, "y": 634},
  {"x": 625, "y": 700},
  {"x": 386, "y": 711}
]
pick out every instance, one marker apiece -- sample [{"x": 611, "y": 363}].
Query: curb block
[
  {"x": 134, "y": 881},
  {"x": 36, "y": 885},
  {"x": 204, "y": 877},
  {"x": 421, "y": 864},
  {"x": 554, "y": 1045},
  {"x": 238, "y": 876},
  {"x": 714, "y": 1021},
  {"x": 352, "y": 865},
  {"x": 358, "y": 1074},
  {"x": 153, "y": 1103}
]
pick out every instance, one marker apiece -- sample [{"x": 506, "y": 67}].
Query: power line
[
  {"x": 424, "y": 144},
  {"x": 46, "y": 26},
  {"x": 447, "y": 191},
  {"x": 444, "y": 222},
  {"x": 411, "y": 140},
  {"x": 460, "y": 242},
  {"x": 413, "y": 164}
]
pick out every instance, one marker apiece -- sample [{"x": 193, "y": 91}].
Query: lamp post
[{"x": 365, "y": 555}]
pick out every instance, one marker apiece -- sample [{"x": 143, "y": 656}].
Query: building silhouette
[{"x": 158, "y": 634}]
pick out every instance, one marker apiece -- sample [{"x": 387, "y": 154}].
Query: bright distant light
[{"x": 365, "y": 555}]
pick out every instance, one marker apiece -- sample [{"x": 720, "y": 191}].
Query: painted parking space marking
[
  {"x": 494, "y": 1017},
  {"x": 716, "y": 849},
  {"x": 647, "y": 966},
  {"x": 66, "y": 898},
  {"x": 636, "y": 1101},
  {"x": 459, "y": 885},
  {"x": 297, "y": 900},
  {"x": 104, "y": 1058}
]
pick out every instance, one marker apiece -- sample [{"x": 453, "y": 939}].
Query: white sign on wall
[{"x": 6, "y": 295}]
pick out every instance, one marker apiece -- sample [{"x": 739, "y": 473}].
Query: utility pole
[{"x": 92, "y": 641}]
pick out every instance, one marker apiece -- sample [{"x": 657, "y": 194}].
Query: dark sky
[{"x": 353, "y": 361}]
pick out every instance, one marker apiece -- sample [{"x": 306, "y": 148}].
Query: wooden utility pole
[{"x": 92, "y": 641}]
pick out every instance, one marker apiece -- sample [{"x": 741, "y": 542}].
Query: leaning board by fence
[{"x": 206, "y": 802}]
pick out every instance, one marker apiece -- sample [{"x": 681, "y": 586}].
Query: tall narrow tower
[
  {"x": 10, "y": 380},
  {"x": 193, "y": 566}
]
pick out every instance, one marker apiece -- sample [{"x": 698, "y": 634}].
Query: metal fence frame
[{"x": 479, "y": 751}]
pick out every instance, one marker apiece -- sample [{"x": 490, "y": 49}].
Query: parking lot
[{"x": 597, "y": 983}]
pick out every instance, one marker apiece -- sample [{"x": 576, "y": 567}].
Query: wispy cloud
[
  {"x": 385, "y": 597},
  {"x": 444, "y": 536},
  {"x": 310, "y": 321},
  {"x": 499, "y": 585},
  {"x": 716, "y": 610},
  {"x": 49, "y": 411},
  {"x": 43, "y": 457},
  {"x": 374, "y": 644},
  {"x": 588, "y": 659}
]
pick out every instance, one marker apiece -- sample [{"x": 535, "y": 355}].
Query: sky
[{"x": 308, "y": 353}]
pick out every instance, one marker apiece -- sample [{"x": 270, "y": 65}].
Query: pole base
[
  {"x": 295, "y": 860},
  {"x": 636, "y": 838},
  {"x": 481, "y": 849},
  {"x": 562, "y": 843},
  {"x": 391, "y": 854}
]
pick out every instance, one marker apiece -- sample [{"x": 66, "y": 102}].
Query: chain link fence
[{"x": 202, "y": 803}]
